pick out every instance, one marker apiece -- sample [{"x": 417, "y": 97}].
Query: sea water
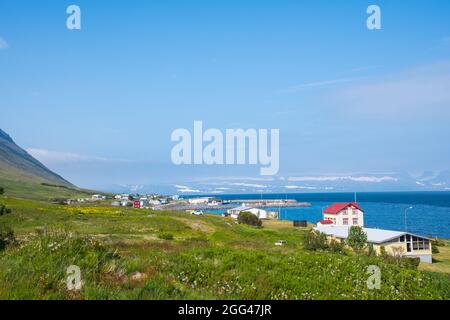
[{"x": 430, "y": 215}]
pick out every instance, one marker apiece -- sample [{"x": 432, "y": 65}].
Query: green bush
[
  {"x": 383, "y": 252},
  {"x": 357, "y": 238},
  {"x": 2, "y": 190},
  {"x": 336, "y": 246},
  {"x": 165, "y": 236},
  {"x": 6, "y": 237},
  {"x": 411, "y": 263},
  {"x": 4, "y": 210},
  {"x": 371, "y": 250},
  {"x": 315, "y": 241},
  {"x": 249, "y": 219},
  {"x": 434, "y": 247}
]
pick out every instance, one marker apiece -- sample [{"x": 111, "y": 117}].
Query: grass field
[
  {"x": 122, "y": 254},
  {"x": 35, "y": 190}
]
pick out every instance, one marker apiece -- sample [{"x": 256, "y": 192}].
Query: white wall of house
[{"x": 346, "y": 217}]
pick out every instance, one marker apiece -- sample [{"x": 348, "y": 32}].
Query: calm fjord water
[{"x": 430, "y": 215}]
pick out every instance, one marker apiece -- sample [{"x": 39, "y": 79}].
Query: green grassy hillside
[
  {"x": 22, "y": 176},
  {"x": 122, "y": 255},
  {"x": 41, "y": 191}
]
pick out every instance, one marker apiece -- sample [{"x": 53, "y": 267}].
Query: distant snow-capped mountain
[{"x": 361, "y": 182}]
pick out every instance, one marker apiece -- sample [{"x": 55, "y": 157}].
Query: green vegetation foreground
[{"x": 125, "y": 253}]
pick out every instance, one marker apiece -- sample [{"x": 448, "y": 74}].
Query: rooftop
[
  {"x": 373, "y": 235},
  {"x": 335, "y": 208}
]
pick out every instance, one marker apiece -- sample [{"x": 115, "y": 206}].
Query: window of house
[
  {"x": 355, "y": 221},
  {"x": 420, "y": 243},
  {"x": 345, "y": 221},
  {"x": 402, "y": 239}
]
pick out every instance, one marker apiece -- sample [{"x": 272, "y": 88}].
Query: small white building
[
  {"x": 126, "y": 203},
  {"x": 97, "y": 197},
  {"x": 260, "y": 213},
  {"x": 144, "y": 202},
  {"x": 344, "y": 214},
  {"x": 154, "y": 202},
  {"x": 321, "y": 223}
]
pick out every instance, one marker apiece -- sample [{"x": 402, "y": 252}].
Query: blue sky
[{"x": 98, "y": 105}]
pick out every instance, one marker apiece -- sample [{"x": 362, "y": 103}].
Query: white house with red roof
[{"x": 343, "y": 214}]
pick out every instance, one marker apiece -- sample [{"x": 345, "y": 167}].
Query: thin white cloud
[
  {"x": 3, "y": 44},
  {"x": 56, "y": 157},
  {"x": 418, "y": 92},
  {"x": 188, "y": 190},
  {"x": 181, "y": 187},
  {"x": 319, "y": 84},
  {"x": 249, "y": 185},
  {"x": 294, "y": 187}
]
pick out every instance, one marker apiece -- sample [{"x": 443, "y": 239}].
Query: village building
[
  {"x": 260, "y": 213},
  {"x": 344, "y": 214},
  {"x": 202, "y": 200},
  {"x": 97, "y": 197},
  {"x": 126, "y": 203},
  {"x": 395, "y": 243},
  {"x": 324, "y": 223},
  {"x": 154, "y": 202}
]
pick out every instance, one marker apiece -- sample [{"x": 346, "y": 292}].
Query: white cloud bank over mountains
[
  {"x": 374, "y": 179},
  {"x": 357, "y": 182}
]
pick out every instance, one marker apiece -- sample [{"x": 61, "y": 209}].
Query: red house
[{"x": 344, "y": 214}]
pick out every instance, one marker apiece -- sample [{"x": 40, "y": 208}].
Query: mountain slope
[{"x": 17, "y": 165}]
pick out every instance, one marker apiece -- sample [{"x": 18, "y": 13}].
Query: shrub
[
  {"x": 2, "y": 190},
  {"x": 434, "y": 247},
  {"x": 370, "y": 250},
  {"x": 6, "y": 237},
  {"x": 165, "y": 236},
  {"x": 336, "y": 246},
  {"x": 315, "y": 241},
  {"x": 383, "y": 252},
  {"x": 411, "y": 263},
  {"x": 357, "y": 238},
  {"x": 249, "y": 219},
  {"x": 4, "y": 210},
  {"x": 404, "y": 262}
]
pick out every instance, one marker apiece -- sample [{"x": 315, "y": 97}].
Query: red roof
[
  {"x": 335, "y": 208},
  {"x": 325, "y": 222}
]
